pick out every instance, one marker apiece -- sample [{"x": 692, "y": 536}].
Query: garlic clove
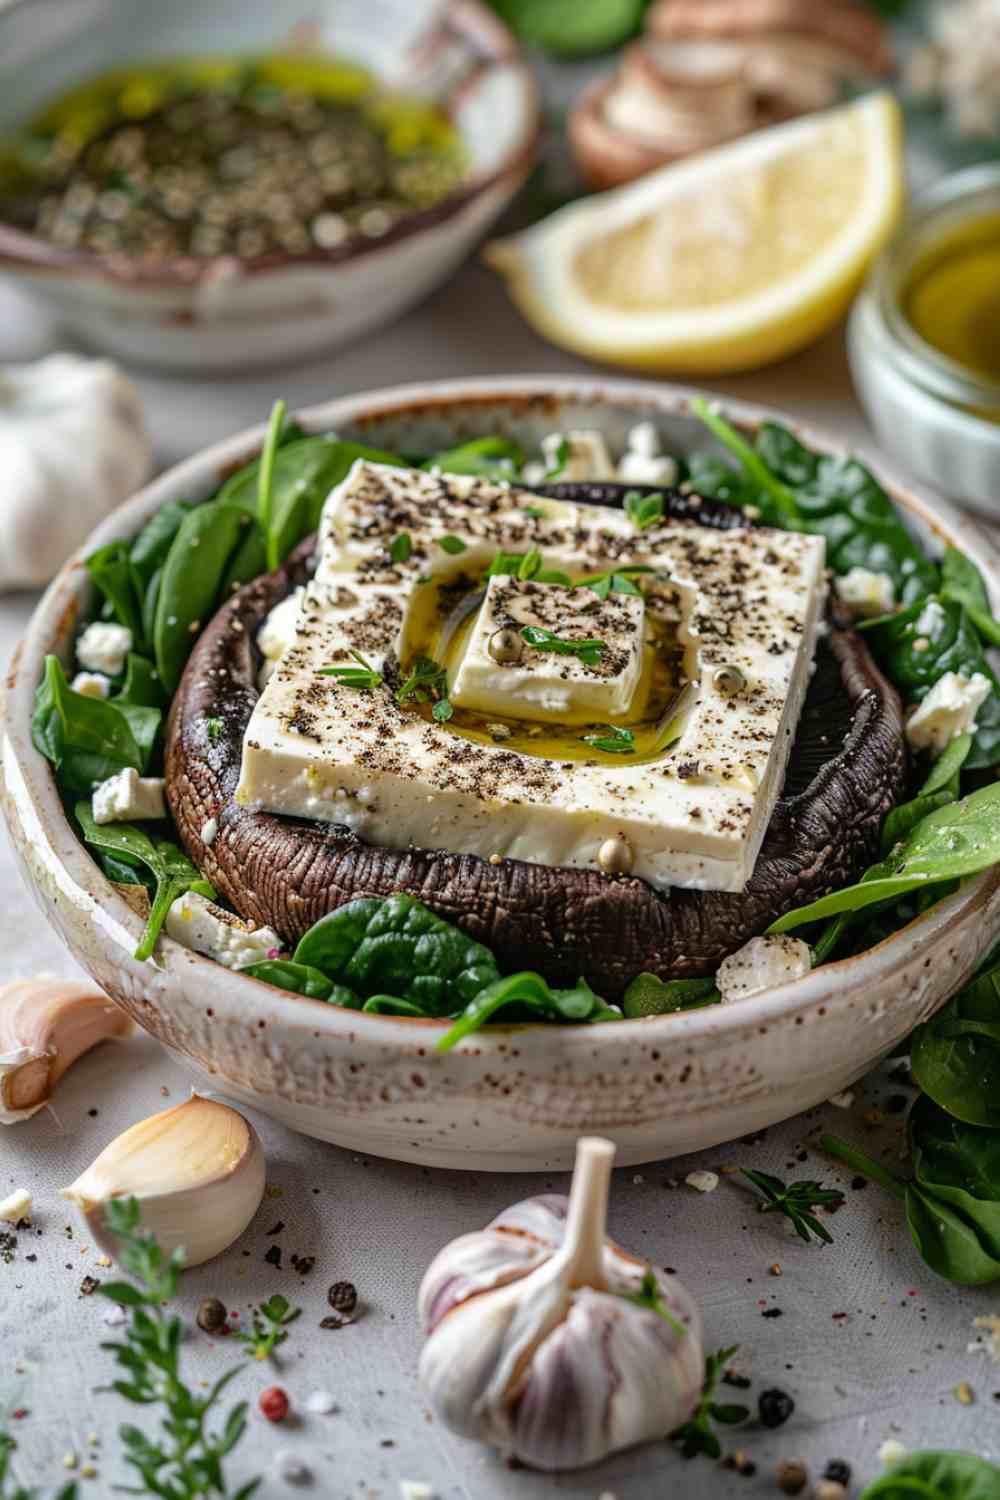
[
  {"x": 45, "y": 1025},
  {"x": 534, "y": 1343},
  {"x": 197, "y": 1171},
  {"x": 16, "y": 1206}
]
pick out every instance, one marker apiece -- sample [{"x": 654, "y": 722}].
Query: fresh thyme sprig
[
  {"x": 525, "y": 566},
  {"x": 9, "y": 1487},
  {"x": 643, "y": 510},
  {"x": 589, "y": 651},
  {"x": 402, "y": 547},
  {"x": 187, "y": 1461},
  {"x": 614, "y": 581},
  {"x": 613, "y": 739},
  {"x": 649, "y": 1295},
  {"x": 270, "y": 1322},
  {"x": 696, "y": 1435},
  {"x": 363, "y": 676},
  {"x": 795, "y": 1200}
]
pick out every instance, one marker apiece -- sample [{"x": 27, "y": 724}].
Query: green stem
[
  {"x": 829, "y": 939},
  {"x": 859, "y": 1162},
  {"x": 751, "y": 461},
  {"x": 265, "y": 482}
]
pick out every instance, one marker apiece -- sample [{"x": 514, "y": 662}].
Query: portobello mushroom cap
[{"x": 846, "y": 771}]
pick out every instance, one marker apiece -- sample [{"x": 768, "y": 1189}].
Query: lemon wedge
[{"x": 723, "y": 262}]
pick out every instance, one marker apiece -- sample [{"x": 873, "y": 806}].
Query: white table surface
[{"x": 869, "y": 1344}]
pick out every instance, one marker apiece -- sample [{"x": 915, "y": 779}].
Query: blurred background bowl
[{"x": 220, "y": 313}]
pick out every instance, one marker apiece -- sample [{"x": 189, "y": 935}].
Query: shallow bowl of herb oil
[
  {"x": 187, "y": 195},
  {"x": 925, "y": 339}
]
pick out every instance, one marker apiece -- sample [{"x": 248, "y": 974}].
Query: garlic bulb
[
  {"x": 45, "y": 1025},
  {"x": 197, "y": 1171},
  {"x": 72, "y": 447},
  {"x": 552, "y": 1343}
]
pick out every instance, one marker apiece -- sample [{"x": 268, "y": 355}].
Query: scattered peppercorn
[
  {"x": 88, "y": 1286},
  {"x": 273, "y": 1256},
  {"x": 273, "y": 1404},
  {"x": 343, "y": 1297},
  {"x": 774, "y": 1407},
  {"x": 792, "y": 1476},
  {"x": 773, "y": 1312},
  {"x": 839, "y": 1471},
  {"x": 212, "y": 1315}
]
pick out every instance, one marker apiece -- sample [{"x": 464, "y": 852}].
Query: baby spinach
[
  {"x": 962, "y": 583},
  {"x": 398, "y": 947},
  {"x": 113, "y": 575},
  {"x": 265, "y": 484},
  {"x": 940, "y": 788},
  {"x": 190, "y": 582},
  {"x": 649, "y": 995},
  {"x": 489, "y": 457},
  {"x": 142, "y": 686},
  {"x": 149, "y": 549},
  {"x": 534, "y": 1001},
  {"x": 948, "y": 844},
  {"x": 301, "y": 980},
  {"x": 170, "y": 867},
  {"x": 86, "y": 739},
  {"x": 955, "y": 1055},
  {"x": 937, "y": 1476}
]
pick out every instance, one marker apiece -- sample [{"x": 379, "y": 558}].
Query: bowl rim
[
  {"x": 20, "y": 249},
  {"x": 55, "y": 615}
]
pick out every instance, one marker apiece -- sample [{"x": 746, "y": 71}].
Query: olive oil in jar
[{"x": 952, "y": 299}]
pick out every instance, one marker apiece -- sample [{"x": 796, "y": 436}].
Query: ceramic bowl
[
  {"x": 509, "y": 1098},
  {"x": 220, "y": 313}
]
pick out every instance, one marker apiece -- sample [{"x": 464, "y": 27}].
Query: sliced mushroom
[
  {"x": 847, "y": 769},
  {"x": 843, "y": 37}
]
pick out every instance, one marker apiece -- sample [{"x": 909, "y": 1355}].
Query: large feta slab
[{"x": 746, "y": 601}]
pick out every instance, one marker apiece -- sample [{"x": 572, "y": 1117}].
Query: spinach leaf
[
  {"x": 144, "y": 723},
  {"x": 190, "y": 583},
  {"x": 940, "y": 788},
  {"x": 398, "y": 947},
  {"x": 534, "y": 1001},
  {"x": 142, "y": 686},
  {"x": 955, "y": 1055},
  {"x": 776, "y": 500},
  {"x": 962, "y": 583},
  {"x": 944, "y": 774},
  {"x": 952, "y": 842},
  {"x": 955, "y": 647},
  {"x": 170, "y": 867},
  {"x": 86, "y": 739},
  {"x": 149, "y": 549},
  {"x": 301, "y": 980},
  {"x": 937, "y": 1476},
  {"x": 648, "y": 995},
  {"x": 491, "y": 457},
  {"x": 391, "y": 1005},
  {"x": 118, "y": 869},
  {"x": 111, "y": 571},
  {"x": 265, "y": 484}
]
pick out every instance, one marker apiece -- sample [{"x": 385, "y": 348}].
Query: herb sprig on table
[
  {"x": 796, "y": 1200},
  {"x": 9, "y": 1487},
  {"x": 270, "y": 1326},
  {"x": 697, "y": 1435}
]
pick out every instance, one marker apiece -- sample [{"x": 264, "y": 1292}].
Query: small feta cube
[
  {"x": 949, "y": 710},
  {"x": 16, "y": 1206},
  {"x": 533, "y": 473},
  {"x": 636, "y": 468},
  {"x": 129, "y": 797},
  {"x": 206, "y": 928},
  {"x": 866, "y": 594},
  {"x": 931, "y": 620},
  {"x": 103, "y": 647},
  {"x": 644, "y": 440},
  {"x": 586, "y": 455},
  {"x": 703, "y": 1182},
  {"x": 761, "y": 964},
  {"x": 91, "y": 684}
]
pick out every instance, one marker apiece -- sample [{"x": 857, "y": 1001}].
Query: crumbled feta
[
  {"x": 533, "y": 473},
  {"x": 990, "y": 1323},
  {"x": 761, "y": 964},
  {"x": 843, "y": 1100},
  {"x": 209, "y": 831},
  {"x": 277, "y": 633},
  {"x": 636, "y": 468},
  {"x": 289, "y": 1466},
  {"x": 16, "y": 1206},
  {"x": 103, "y": 648},
  {"x": 586, "y": 455},
  {"x": 322, "y": 1403},
  {"x": 949, "y": 710},
  {"x": 644, "y": 439},
  {"x": 703, "y": 1182},
  {"x": 892, "y": 1452},
  {"x": 931, "y": 620},
  {"x": 206, "y": 928},
  {"x": 129, "y": 797},
  {"x": 415, "y": 1489},
  {"x": 91, "y": 684},
  {"x": 865, "y": 593}
]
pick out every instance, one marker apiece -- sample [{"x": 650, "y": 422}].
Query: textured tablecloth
[{"x": 868, "y": 1343}]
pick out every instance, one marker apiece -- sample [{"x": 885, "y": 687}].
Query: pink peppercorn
[{"x": 273, "y": 1404}]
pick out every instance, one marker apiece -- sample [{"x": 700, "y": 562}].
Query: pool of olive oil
[{"x": 952, "y": 299}]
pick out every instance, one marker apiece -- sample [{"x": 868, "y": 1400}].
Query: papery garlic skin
[
  {"x": 197, "y": 1171},
  {"x": 533, "y": 1347},
  {"x": 45, "y": 1025}
]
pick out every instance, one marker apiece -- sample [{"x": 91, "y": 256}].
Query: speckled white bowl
[
  {"x": 513, "y": 1098},
  {"x": 219, "y": 313}
]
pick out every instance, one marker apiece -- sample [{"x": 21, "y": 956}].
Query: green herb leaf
[
  {"x": 795, "y": 1201},
  {"x": 614, "y": 581},
  {"x": 425, "y": 683},
  {"x": 937, "y": 1476},
  {"x": 650, "y": 1296},
  {"x": 401, "y": 548},
  {"x": 111, "y": 570},
  {"x": 531, "y": 564},
  {"x": 300, "y": 979},
  {"x": 643, "y": 510},
  {"x": 648, "y": 995},
  {"x": 213, "y": 730},
  {"x": 364, "y": 676},
  {"x": 589, "y": 650},
  {"x": 86, "y": 739},
  {"x": 270, "y": 1326},
  {"x": 453, "y": 545},
  {"x": 696, "y": 1436},
  {"x": 532, "y": 999},
  {"x": 265, "y": 484},
  {"x": 488, "y": 457},
  {"x": 956, "y": 1054},
  {"x": 442, "y": 711},
  {"x": 613, "y": 739},
  {"x": 962, "y": 583}
]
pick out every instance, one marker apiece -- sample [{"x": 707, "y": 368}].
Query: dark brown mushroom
[{"x": 847, "y": 768}]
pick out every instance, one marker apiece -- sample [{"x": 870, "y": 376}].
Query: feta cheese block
[
  {"x": 129, "y": 797},
  {"x": 363, "y": 751},
  {"x": 104, "y": 647},
  {"x": 206, "y": 928},
  {"x": 949, "y": 709},
  {"x": 546, "y": 684}
]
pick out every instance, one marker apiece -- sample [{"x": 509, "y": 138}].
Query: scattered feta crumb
[
  {"x": 322, "y": 1403},
  {"x": 127, "y": 796},
  {"x": 891, "y": 1452},
  {"x": 209, "y": 830},
  {"x": 289, "y": 1466},
  {"x": 533, "y": 473},
  {"x": 416, "y": 1489},
  {"x": 990, "y": 1323},
  {"x": 761, "y": 964},
  {"x": 103, "y": 648},
  {"x": 949, "y": 710},
  {"x": 206, "y": 928},
  {"x": 16, "y": 1207},
  {"x": 115, "y": 1316},
  {"x": 865, "y": 593},
  {"x": 91, "y": 684},
  {"x": 931, "y": 620},
  {"x": 843, "y": 1100},
  {"x": 586, "y": 452},
  {"x": 636, "y": 468},
  {"x": 638, "y": 1180},
  {"x": 703, "y": 1182}
]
